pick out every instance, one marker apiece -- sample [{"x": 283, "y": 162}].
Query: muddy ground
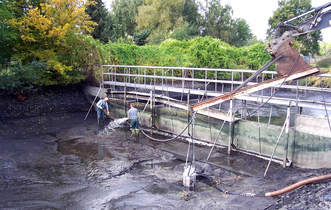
[{"x": 53, "y": 159}]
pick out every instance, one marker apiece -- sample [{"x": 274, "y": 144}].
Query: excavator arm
[
  {"x": 289, "y": 64},
  {"x": 313, "y": 20}
]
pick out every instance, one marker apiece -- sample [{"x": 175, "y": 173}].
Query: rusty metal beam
[{"x": 251, "y": 89}]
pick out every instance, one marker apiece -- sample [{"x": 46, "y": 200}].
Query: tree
[
  {"x": 8, "y": 35},
  {"x": 184, "y": 32},
  {"x": 191, "y": 13},
  {"x": 192, "y": 22},
  {"x": 325, "y": 48},
  {"x": 99, "y": 14},
  {"x": 240, "y": 33},
  {"x": 140, "y": 38},
  {"x": 19, "y": 8},
  {"x": 124, "y": 16},
  {"x": 43, "y": 33},
  {"x": 218, "y": 21},
  {"x": 291, "y": 8},
  {"x": 160, "y": 16}
]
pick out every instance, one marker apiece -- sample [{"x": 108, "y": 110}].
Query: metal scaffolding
[{"x": 211, "y": 83}]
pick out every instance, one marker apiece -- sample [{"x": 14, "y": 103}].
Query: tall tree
[
  {"x": 8, "y": 35},
  {"x": 192, "y": 21},
  {"x": 99, "y": 14},
  {"x": 191, "y": 13},
  {"x": 240, "y": 33},
  {"x": 218, "y": 21},
  {"x": 160, "y": 16},
  {"x": 184, "y": 31},
  {"x": 291, "y": 8},
  {"x": 124, "y": 15},
  {"x": 190, "y": 27}
]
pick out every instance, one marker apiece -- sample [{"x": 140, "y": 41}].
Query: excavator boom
[{"x": 290, "y": 65}]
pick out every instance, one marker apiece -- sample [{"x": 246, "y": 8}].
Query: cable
[
  {"x": 164, "y": 140},
  {"x": 192, "y": 139},
  {"x": 93, "y": 102},
  {"x": 214, "y": 184},
  {"x": 216, "y": 138},
  {"x": 326, "y": 112}
]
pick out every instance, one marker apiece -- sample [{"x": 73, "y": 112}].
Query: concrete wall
[{"x": 305, "y": 148}]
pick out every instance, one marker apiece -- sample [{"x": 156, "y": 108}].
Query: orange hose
[{"x": 298, "y": 184}]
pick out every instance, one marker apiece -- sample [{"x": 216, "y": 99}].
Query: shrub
[
  {"x": 20, "y": 79},
  {"x": 324, "y": 63}
]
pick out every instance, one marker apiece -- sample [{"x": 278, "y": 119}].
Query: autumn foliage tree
[{"x": 43, "y": 33}]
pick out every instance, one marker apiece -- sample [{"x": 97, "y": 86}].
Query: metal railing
[{"x": 206, "y": 81}]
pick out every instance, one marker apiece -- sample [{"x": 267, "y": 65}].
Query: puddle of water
[{"x": 84, "y": 150}]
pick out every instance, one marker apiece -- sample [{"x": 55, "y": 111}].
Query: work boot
[
  {"x": 132, "y": 132},
  {"x": 100, "y": 125},
  {"x": 136, "y": 131}
]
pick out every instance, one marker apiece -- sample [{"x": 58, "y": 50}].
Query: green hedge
[
  {"x": 198, "y": 52},
  {"x": 84, "y": 56}
]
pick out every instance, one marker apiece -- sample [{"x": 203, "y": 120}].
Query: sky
[{"x": 257, "y": 13}]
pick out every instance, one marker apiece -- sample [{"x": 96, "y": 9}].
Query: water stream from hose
[{"x": 112, "y": 125}]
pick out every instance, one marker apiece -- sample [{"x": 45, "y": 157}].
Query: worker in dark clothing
[
  {"x": 134, "y": 122},
  {"x": 102, "y": 110}
]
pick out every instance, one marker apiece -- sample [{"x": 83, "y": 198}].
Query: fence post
[
  {"x": 230, "y": 127},
  {"x": 287, "y": 135}
]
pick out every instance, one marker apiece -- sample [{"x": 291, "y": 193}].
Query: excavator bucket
[
  {"x": 290, "y": 62},
  {"x": 289, "y": 65}
]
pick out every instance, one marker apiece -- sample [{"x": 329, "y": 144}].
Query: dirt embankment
[
  {"x": 47, "y": 110},
  {"x": 47, "y": 100}
]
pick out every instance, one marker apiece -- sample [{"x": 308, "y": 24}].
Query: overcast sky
[{"x": 257, "y": 13}]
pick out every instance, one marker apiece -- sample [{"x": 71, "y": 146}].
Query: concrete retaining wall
[{"x": 305, "y": 149}]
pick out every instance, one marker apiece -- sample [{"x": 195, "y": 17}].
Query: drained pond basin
[
  {"x": 57, "y": 160},
  {"x": 69, "y": 166}
]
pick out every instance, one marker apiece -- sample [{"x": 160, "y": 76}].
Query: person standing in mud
[
  {"x": 133, "y": 117},
  {"x": 102, "y": 110}
]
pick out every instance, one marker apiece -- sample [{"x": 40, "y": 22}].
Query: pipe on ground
[{"x": 298, "y": 184}]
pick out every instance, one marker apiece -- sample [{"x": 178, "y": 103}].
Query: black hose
[{"x": 214, "y": 184}]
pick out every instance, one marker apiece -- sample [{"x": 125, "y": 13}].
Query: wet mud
[{"x": 60, "y": 161}]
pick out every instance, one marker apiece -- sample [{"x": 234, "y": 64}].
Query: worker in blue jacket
[{"x": 102, "y": 110}]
